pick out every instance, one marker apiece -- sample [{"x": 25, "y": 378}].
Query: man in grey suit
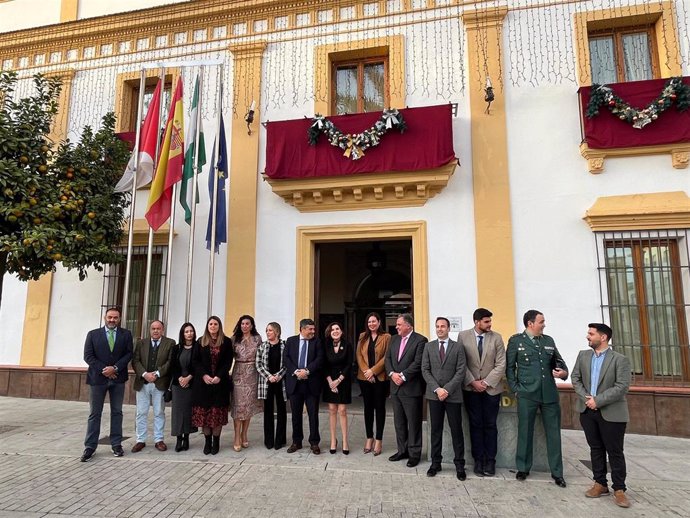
[
  {"x": 151, "y": 364},
  {"x": 486, "y": 366},
  {"x": 404, "y": 368},
  {"x": 601, "y": 379},
  {"x": 443, "y": 369}
]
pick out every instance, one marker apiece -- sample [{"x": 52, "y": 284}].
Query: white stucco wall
[
  {"x": 12, "y": 311},
  {"x": 92, "y": 8},
  {"x": 16, "y": 15}
]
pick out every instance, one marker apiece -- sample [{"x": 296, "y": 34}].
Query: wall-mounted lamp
[
  {"x": 489, "y": 97},
  {"x": 249, "y": 118}
]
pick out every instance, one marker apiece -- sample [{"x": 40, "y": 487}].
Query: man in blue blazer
[
  {"x": 107, "y": 351},
  {"x": 303, "y": 358}
]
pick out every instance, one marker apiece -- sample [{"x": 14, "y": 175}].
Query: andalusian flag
[
  {"x": 188, "y": 172},
  {"x": 148, "y": 139},
  {"x": 169, "y": 170}
]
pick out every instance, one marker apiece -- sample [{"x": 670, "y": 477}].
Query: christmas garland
[
  {"x": 674, "y": 90},
  {"x": 355, "y": 145}
]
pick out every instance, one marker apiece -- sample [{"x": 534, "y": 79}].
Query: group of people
[{"x": 213, "y": 376}]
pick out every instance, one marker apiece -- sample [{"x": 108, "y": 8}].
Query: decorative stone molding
[
  {"x": 680, "y": 154},
  {"x": 653, "y": 211},
  {"x": 367, "y": 191}
]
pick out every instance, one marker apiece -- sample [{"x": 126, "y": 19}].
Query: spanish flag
[{"x": 170, "y": 162}]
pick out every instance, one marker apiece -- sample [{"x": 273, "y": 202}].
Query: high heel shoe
[
  {"x": 377, "y": 451},
  {"x": 367, "y": 445},
  {"x": 237, "y": 447},
  {"x": 333, "y": 450},
  {"x": 346, "y": 451},
  {"x": 245, "y": 444}
]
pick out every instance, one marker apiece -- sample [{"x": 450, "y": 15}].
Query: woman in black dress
[
  {"x": 182, "y": 373},
  {"x": 338, "y": 389},
  {"x": 211, "y": 391}
]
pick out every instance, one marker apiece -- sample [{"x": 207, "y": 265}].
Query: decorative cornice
[
  {"x": 680, "y": 154},
  {"x": 367, "y": 191},
  {"x": 480, "y": 19},
  {"x": 141, "y": 233},
  {"x": 83, "y": 40},
  {"x": 250, "y": 50},
  {"x": 653, "y": 211}
]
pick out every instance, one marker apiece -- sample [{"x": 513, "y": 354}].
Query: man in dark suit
[
  {"x": 151, "y": 364},
  {"x": 107, "y": 351},
  {"x": 404, "y": 367},
  {"x": 532, "y": 365},
  {"x": 486, "y": 366},
  {"x": 303, "y": 358},
  {"x": 601, "y": 378},
  {"x": 443, "y": 369}
]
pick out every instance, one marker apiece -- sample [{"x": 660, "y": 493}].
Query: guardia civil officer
[{"x": 532, "y": 365}]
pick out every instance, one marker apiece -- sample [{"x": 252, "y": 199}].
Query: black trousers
[
  {"x": 482, "y": 411},
  {"x": 274, "y": 398},
  {"x": 407, "y": 417},
  {"x": 437, "y": 411},
  {"x": 605, "y": 437},
  {"x": 374, "y": 396},
  {"x": 300, "y": 397}
]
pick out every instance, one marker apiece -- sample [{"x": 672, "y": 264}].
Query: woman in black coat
[
  {"x": 182, "y": 374},
  {"x": 211, "y": 391}
]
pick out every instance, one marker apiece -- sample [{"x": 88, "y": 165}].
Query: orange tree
[{"x": 57, "y": 203}]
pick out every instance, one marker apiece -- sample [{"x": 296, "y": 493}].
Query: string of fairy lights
[{"x": 538, "y": 40}]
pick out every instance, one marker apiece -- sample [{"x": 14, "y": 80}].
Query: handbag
[{"x": 167, "y": 396}]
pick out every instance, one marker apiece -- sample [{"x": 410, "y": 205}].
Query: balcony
[
  {"x": 403, "y": 170},
  {"x": 607, "y": 135}
]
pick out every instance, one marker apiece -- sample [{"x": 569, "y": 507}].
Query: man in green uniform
[{"x": 533, "y": 363}]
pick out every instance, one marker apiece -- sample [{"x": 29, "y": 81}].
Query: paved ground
[{"x": 41, "y": 476}]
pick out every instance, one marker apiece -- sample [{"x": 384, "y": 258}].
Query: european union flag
[{"x": 220, "y": 216}]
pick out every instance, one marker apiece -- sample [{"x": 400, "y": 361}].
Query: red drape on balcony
[
  {"x": 427, "y": 143},
  {"x": 608, "y": 131}
]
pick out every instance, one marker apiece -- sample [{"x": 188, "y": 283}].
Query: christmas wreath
[
  {"x": 355, "y": 145},
  {"x": 674, "y": 91}
]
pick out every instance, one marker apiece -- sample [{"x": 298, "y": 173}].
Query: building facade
[{"x": 585, "y": 219}]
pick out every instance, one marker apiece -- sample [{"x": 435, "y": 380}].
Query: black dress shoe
[
  {"x": 431, "y": 472},
  {"x": 178, "y": 444},
  {"x": 398, "y": 456},
  {"x": 411, "y": 463},
  {"x": 489, "y": 468},
  {"x": 478, "y": 469},
  {"x": 118, "y": 451},
  {"x": 462, "y": 476},
  {"x": 294, "y": 447},
  {"x": 280, "y": 446},
  {"x": 559, "y": 481},
  {"x": 88, "y": 453},
  {"x": 521, "y": 475}
]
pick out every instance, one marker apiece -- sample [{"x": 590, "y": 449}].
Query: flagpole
[
  {"x": 214, "y": 202},
  {"x": 149, "y": 250},
  {"x": 132, "y": 206},
  {"x": 192, "y": 223}
]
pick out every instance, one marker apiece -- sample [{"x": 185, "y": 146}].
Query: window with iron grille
[
  {"x": 114, "y": 283},
  {"x": 645, "y": 285}
]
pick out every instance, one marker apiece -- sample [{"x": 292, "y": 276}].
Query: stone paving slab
[{"x": 41, "y": 477}]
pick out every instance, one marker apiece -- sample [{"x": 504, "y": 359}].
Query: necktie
[
  {"x": 155, "y": 345},
  {"x": 403, "y": 343},
  {"x": 442, "y": 351},
  {"x": 303, "y": 355},
  {"x": 111, "y": 339},
  {"x": 480, "y": 345}
]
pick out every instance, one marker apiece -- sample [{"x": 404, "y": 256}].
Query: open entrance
[{"x": 354, "y": 278}]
